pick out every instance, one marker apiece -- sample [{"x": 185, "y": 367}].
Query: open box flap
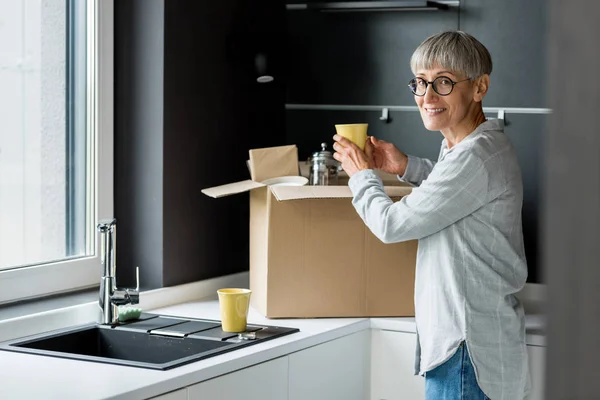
[
  {"x": 285, "y": 193},
  {"x": 272, "y": 162},
  {"x": 232, "y": 188}
]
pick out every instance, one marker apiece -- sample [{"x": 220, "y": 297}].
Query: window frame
[{"x": 82, "y": 272}]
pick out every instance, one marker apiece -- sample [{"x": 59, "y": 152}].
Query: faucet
[{"x": 110, "y": 295}]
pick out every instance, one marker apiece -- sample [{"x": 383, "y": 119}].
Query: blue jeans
[{"x": 454, "y": 379}]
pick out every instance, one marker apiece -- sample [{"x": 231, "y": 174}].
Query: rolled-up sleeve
[{"x": 455, "y": 188}]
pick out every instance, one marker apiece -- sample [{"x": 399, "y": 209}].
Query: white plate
[{"x": 286, "y": 181}]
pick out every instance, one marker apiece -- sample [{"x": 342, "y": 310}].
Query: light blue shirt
[{"x": 465, "y": 211}]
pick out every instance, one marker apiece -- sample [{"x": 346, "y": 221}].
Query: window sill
[{"x": 36, "y": 306}]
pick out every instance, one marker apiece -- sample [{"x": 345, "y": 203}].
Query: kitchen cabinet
[
  {"x": 392, "y": 360},
  {"x": 371, "y": 364},
  {"x": 392, "y": 366},
  {"x": 338, "y": 369},
  {"x": 181, "y": 394},
  {"x": 266, "y": 381},
  {"x": 537, "y": 368}
]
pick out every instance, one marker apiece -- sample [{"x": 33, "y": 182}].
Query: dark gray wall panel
[
  {"x": 198, "y": 230},
  {"x": 190, "y": 127},
  {"x": 215, "y": 111},
  {"x": 528, "y": 136},
  {"x": 357, "y": 58},
  {"x": 514, "y": 31},
  {"x": 139, "y": 140}
]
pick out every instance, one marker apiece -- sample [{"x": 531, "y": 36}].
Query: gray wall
[
  {"x": 188, "y": 109},
  {"x": 363, "y": 59},
  {"x": 139, "y": 59}
]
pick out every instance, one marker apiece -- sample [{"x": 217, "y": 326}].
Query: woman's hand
[
  {"x": 385, "y": 156},
  {"x": 352, "y": 158}
]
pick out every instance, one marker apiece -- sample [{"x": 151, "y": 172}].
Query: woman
[{"x": 465, "y": 211}]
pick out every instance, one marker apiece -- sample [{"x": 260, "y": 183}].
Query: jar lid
[{"x": 324, "y": 156}]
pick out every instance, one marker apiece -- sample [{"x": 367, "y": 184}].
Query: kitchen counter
[
  {"x": 24, "y": 376},
  {"x": 533, "y": 323}
]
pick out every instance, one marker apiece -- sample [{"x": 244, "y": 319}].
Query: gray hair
[{"x": 455, "y": 50}]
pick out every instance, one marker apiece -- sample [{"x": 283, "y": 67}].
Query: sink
[
  {"x": 115, "y": 344},
  {"x": 153, "y": 341}
]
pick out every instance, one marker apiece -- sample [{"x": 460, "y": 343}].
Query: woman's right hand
[{"x": 385, "y": 156}]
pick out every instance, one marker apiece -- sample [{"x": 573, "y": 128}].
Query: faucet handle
[
  {"x": 121, "y": 297},
  {"x": 134, "y": 294}
]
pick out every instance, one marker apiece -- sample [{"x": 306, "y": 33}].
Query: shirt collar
[{"x": 489, "y": 125}]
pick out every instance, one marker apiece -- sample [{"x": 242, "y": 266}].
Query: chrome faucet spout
[{"x": 110, "y": 295}]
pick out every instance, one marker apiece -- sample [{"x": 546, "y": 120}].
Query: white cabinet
[
  {"x": 392, "y": 366},
  {"x": 338, "y": 369},
  {"x": 181, "y": 394},
  {"x": 266, "y": 381},
  {"x": 537, "y": 368},
  {"x": 376, "y": 364}
]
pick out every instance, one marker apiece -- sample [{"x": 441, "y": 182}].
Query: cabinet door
[
  {"x": 537, "y": 368},
  {"x": 392, "y": 367},
  {"x": 266, "y": 381},
  {"x": 334, "y": 370},
  {"x": 180, "y": 394}
]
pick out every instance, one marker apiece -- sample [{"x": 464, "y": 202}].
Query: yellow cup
[
  {"x": 356, "y": 133},
  {"x": 234, "y": 304}
]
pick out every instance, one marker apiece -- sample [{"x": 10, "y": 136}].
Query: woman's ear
[{"x": 480, "y": 87}]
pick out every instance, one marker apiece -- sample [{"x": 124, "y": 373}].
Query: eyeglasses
[{"x": 442, "y": 85}]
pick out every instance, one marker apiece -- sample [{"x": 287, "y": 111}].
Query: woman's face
[{"x": 441, "y": 113}]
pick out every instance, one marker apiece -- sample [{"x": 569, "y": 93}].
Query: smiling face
[{"x": 442, "y": 113}]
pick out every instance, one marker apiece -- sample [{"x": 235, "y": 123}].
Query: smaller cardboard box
[{"x": 311, "y": 255}]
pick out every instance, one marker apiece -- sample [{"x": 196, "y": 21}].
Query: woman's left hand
[{"x": 352, "y": 158}]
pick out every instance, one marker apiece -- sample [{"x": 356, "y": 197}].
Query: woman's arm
[
  {"x": 386, "y": 157},
  {"x": 457, "y": 187},
  {"x": 417, "y": 170}
]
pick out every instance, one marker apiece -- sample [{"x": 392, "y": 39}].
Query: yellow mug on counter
[
  {"x": 234, "y": 305},
  {"x": 356, "y": 133}
]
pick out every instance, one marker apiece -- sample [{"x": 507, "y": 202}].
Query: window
[{"x": 56, "y": 120}]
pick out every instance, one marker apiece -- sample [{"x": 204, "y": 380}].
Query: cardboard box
[{"x": 311, "y": 255}]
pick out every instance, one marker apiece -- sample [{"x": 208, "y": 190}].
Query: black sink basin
[
  {"x": 124, "y": 345},
  {"x": 156, "y": 342}
]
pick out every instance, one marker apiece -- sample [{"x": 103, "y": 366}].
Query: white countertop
[{"x": 24, "y": 376}]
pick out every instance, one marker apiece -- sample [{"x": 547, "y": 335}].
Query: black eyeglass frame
[{"x": 427, "y": 83}]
